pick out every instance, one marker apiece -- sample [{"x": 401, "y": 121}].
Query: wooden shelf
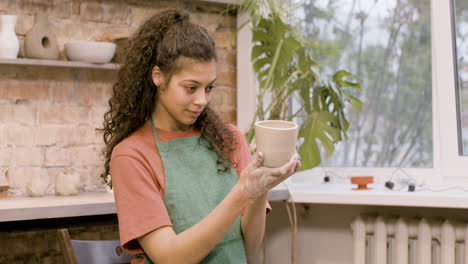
[{"x": 60, "y": 63}]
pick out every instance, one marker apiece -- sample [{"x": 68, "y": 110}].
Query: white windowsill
[
  {"x": 85, "y": 204},
  {"x": 379, "y": 196}
]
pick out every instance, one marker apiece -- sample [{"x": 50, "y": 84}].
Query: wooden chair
[{"x": 91, "y": 251}]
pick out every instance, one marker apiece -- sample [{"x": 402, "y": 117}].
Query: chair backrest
[{"x": 91, "y": 251}]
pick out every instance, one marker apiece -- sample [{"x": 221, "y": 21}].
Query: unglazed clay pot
[
  {"x": 362, "y": 182},
  {"x": 37, "y": 186},
  {"x": 40, "y": 42},
  {"x": 67, "y": 182},
  {"x": 276, "y": 139}
]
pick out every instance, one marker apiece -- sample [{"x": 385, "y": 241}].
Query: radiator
[{"x": 398, "y": 240}]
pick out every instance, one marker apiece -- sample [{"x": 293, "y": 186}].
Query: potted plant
[{"x": 284, "y": 68}]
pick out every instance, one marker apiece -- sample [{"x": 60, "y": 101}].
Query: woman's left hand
[{"x": 256, "y": 179}]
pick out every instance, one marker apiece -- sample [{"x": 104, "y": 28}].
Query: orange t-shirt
[{"x": 138, "y": 181}]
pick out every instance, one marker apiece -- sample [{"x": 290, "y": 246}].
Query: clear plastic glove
[{"x": 256, "y": 179}]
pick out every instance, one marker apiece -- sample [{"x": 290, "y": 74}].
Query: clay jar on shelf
[
  {"x": 40, "y": 42},
  {"x": 67, "y": 182}
]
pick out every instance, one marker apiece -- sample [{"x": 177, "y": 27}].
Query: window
[
  {"x": 419, "y": 87},
  {"x": 387, "y": 46},
  {"x": 460, "y": 16}
]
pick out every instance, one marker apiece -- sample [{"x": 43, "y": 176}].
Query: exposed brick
[
  {"x": 20, "y": 176},
  {"x": 3, "y": 136},
  {"x": 4, "y": 4},
  {"x": 73, "y": 135},
  {"x": 27, "y": 156},
  {"x": 228, "y": 22},
  {"x": 84, "y": 156},
  {"x": 90, "y": 178},
  {"x": 22, "y": 136},
  {"x": 62, "y": 9},
  {"x": 24, "y": 114},
  {"x": 63, "y": 92},
  {"x": 97, "y": 115},
  {"x": 45, "y": 136},
  {"x": 97, "y": 12},
  {"x": 139, "y": 15},
  {"x": 224, "y": 96},
  {"x": 228, "y": 116},
  {"x": 224, "y": 39},
  {"x": 5, "y": 157},
  {"x": 57, "y": 157},
  {"x": 72, "y": 30},
  {"x": 24, "y": 89},
  {"x": 209, "y": 21},
  {"x": 107, "y": 93},
  {"x": 226, "y": 78},
  {"x": 32, "y": 6},
  {"x": 63, "y": 114},
  {"x": 89, "y": 94},
  {"x": 52, "y": 173},
  {"x": 92, "y": 12},
  {"x": 111, "y": 34},
  {"x": 6, "y": 113},
  {"x": 227, "y": 59},
  {"x": 98, "y": 138},
  {"x": 23, "y": 24},
  {"x": 95, "y": 174}
]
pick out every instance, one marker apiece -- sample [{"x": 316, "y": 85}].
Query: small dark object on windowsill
[{"x": 389, "y": 185}]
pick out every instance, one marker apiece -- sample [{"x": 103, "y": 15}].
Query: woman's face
[{"x": 187, "y": 93}]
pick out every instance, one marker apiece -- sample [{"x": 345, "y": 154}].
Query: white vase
[{"x": 9, "y": 43}]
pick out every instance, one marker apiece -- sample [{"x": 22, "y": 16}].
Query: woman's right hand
[{"x": 256, "y": 179}]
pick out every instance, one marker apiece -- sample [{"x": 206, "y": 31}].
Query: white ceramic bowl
[{"x": 89, "y": 51}]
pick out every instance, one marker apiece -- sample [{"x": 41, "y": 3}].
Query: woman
[{"x": 174, "y": 165}]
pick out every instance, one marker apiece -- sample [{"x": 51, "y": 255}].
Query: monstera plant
[{"x": 284, "y": 69}]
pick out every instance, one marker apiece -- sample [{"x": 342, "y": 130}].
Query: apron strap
[{"x": 155, "y": 134}]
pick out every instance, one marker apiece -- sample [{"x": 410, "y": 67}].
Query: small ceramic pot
[
  {"x": 40, "y": 41},
  {"x": 362, "y": 182},
  {"x": 67, "y": 182},
  {"x": 276, "y": 139},
  {"x": 37, "y": 186}
]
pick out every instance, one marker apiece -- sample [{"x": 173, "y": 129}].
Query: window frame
[{"x": 448, "y": 166}]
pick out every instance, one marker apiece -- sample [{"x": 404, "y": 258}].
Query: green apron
[{"x": 194, "y": 187}]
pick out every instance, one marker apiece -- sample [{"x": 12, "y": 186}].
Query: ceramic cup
[{"x": 276, "y": 139}]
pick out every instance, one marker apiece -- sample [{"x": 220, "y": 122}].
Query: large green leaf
[
  {"x": 339, "y": 76},
  {"x": 319, "y": 127},
  {"x": 274, "y": 46}
]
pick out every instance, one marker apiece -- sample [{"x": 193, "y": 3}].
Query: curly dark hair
[{"x": 160, "y": 41}]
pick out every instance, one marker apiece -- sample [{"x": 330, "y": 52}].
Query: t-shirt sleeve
[
  {"x": 138, "y": 199},
  {"x": 241, "y": 155}
]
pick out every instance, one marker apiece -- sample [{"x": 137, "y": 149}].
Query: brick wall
[{"x": 48, "y": 115}]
